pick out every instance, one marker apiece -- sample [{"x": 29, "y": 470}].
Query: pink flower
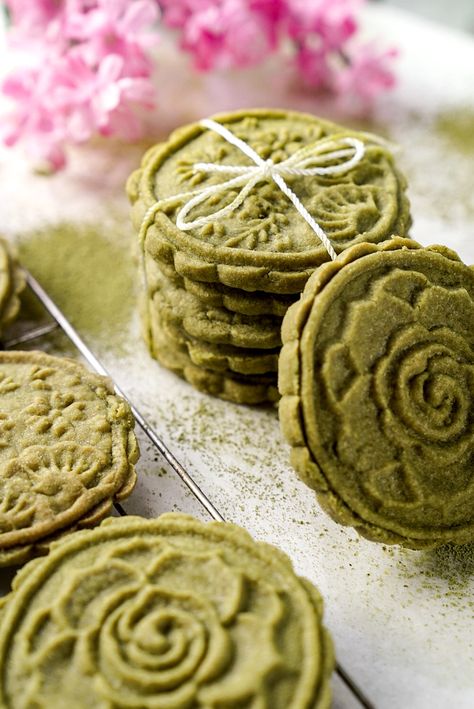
[
  {"x": 34, "y": 119},
  {"x": 33, "y": 15},
  {"x": 118, "y": 27},
  {"x": 85, "y": 72},
  {"x": 367, "y": 73},
  {"x": 90, "y": 100},
  {"x": 226, "y": 33},
  {"x": 326, "y": 23}
]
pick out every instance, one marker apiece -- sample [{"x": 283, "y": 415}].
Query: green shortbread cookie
[
  {"x": 12, "y": 282},
  {"x": 228, "y": 385},
  {"x": 169, "y": 613},
  {"x": 213, "y": 325},
  {"x": 265, "y": 244},
  {"x": 222, "y": 357},
  {"x": 377, "y": 382},
  {"x": 216, "y": 295},
  {"x": 67, "y": 451}
]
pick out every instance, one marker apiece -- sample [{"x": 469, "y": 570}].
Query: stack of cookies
[{"x": 216, "y": 293}]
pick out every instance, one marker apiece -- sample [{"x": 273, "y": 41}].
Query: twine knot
[{"x": 331, "y": 155}]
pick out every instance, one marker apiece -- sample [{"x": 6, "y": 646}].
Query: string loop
[{"x": 310, "y": 161}]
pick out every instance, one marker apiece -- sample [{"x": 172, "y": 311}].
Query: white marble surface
[{"x": 402, "y": 621}]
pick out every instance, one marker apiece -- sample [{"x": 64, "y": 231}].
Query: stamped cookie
[
  {"x": 163, "y": 613},
  {"x": 216, "y": 295},
  {"x": 377, "y": 382},
  {"x": 264, "y": 244},
  {"x": 228, "y": 385},
  {"x": 12, "y": 282},
  {"x": 213, "y": 325},
  {"x": 222, "y": 357},
  {"x": 67, "y": 450}
]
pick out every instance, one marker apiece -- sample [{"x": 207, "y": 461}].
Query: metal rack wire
[{"x": 59, "y": 320}]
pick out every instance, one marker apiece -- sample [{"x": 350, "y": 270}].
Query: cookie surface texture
[
  {"x": 163, "y": 614},
  {"x": 67, "y": 450},
  {"x": 265, "y": 244},
  {"x": 377, "y": 382}
]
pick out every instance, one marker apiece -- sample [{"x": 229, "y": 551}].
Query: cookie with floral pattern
[
  {"x": 377, "y": 381},
  {"x": 67, "y": 450},
  {"x": 160, "y": 614}
]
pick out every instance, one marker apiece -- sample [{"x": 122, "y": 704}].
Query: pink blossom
[
  {"x": 327, "y": 23},
  {"x": 117, "y": 27},
  {"x": 226, "y": 33},
  {"x": 34, "y": 120},
  {"x": 33, "y": 15},
  {"x": 87, "y": 72},
  {"x": 367, "y": 73}
]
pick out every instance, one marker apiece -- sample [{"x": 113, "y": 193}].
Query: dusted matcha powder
[{"x": 88, "y": 270}]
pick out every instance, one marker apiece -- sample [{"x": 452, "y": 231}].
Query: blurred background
[{"x": 457, "y": 13}]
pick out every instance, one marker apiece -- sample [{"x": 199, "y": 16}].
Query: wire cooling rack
[{"x": 59, "y": 320}]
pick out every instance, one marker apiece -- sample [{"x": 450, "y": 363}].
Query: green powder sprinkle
[
  {"x": 458, "y": 128},
  {"x": 88, "y": 270}
]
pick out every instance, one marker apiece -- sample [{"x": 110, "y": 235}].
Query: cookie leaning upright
[
  {"x": 377, "y": 381},
  {"x": 67, "y": 451},
  {"x": 169, "y": 612},
  {"x": 225, "y": 249},
  {"x": 12, "y": 282}
]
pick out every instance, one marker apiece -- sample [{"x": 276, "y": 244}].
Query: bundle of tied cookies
[{"x": 225, "y": 249}]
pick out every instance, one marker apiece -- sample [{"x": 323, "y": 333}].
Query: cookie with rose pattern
[
  {"x": 265, "y": 244},
  {"x": 377, "y": 382},
  {"x": 67, "y": 451},
  {"x": 163, "y": 613}
]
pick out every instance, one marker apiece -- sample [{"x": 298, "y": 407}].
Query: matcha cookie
[
  {"x": 377, "y": 382},
  {"x": 250, "y": 389},
  {"x": 264, "y": 244},
  {"x": 67, "y": 450},
  {"x": 163, "y": 613},
  {"x": 222, "y": 357},
  {"x": 213, "y": 325},
  {"x": 216, "y": 295},
  {"x": 12, "y": 282}
]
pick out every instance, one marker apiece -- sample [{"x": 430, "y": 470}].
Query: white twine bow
[{"x": 309, "y": 161}]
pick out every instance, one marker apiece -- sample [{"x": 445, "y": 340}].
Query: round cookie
[
  {"x": 265, "y": 244},
  {"x": 222, "y": 358},
  {"x": 377, "y": 382},
  {"x": 228, "y": 385},
  {"x": 216, "y": 295},
  {"x": 67, "y": 451},
  {"x": 213, "y": 325},
  {"x": 163, "y": 613}
]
